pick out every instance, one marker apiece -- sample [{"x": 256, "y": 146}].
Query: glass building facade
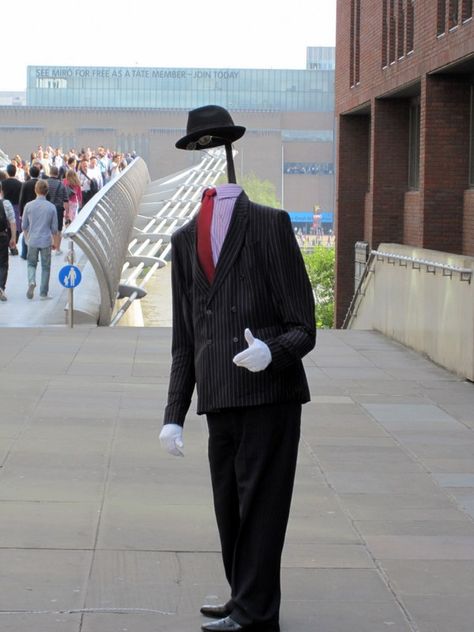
[
  {"x": 181, "y": 88},
  {"x": 321, "y": 58}
]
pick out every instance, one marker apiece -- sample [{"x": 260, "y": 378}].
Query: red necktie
[{"x": 204, "y": 247}]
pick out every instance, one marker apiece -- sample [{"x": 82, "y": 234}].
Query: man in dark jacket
[
  {"x": 243, "y": 317},
  {"x": 11, "y": 191},
  {"x": 27, "y": 194}
]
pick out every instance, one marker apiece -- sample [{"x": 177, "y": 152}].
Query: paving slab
[
  {"x": 43, "y": 580},
  {"x": 431, "y": 577},
  {"x": 100, "y": 530},
  {"x": 441, "y": 614},
  {"x": 59, "y": 622}
]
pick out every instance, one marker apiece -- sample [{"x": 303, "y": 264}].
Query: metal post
[
  {"x": 230, "y": 164},
  {"x": 70, "y": 259}
]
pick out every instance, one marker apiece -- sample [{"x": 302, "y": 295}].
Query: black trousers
[
  {"x": 252, "y": 456},
  {"x": 4, "y": 241}
]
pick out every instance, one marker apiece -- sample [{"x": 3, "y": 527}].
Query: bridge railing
[
  {"x": 124, "y": 231},
  {"x": 102, "y": 230}
]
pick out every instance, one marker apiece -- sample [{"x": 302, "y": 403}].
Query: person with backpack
[{"x": 7, "y": 240}]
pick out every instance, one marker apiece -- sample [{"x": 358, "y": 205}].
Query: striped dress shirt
[{"x": 224, "y": 202}]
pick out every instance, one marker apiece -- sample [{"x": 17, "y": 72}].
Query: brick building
[{"x": 405, "y": 129}]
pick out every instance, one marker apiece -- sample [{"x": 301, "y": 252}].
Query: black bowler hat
[{"x": 209, "y": 126}]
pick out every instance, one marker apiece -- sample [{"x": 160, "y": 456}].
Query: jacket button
[
  {"x": 233, "y": 308},
  {"x": 209, "y": 312},
  {"x": 236, "y": 339},
  {"x": 209, "y": 341}
]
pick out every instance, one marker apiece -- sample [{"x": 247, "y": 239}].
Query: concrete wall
[{"x": 431, "y": 313}]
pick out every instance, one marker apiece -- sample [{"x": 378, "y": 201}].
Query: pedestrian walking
[
  {"x": 40, "y": 227},
  {"x": 7, "y": 240}
]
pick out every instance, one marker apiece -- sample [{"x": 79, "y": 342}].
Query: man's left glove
[
  {"x": 171, "y": 439},
  {"x": 257, "y": 357}
]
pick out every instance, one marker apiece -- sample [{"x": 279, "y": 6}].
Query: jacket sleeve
[
  {"x": 182, "y": 376},
  {"x": 292, "y": 294}
]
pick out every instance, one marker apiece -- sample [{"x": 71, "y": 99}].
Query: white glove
[
  {"x": 171, "y": 439},
  {"x": 257, "y": 357}
]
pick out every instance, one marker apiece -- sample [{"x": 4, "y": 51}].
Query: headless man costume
[{"x": 239, "y": 333}]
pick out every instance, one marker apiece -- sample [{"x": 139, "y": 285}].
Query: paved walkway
[
  {"x": 102, "y": 532},
  {"x": 19, "y": 311}
]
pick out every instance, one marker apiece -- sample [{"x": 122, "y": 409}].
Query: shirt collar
[{"x": 228, "y": 190}]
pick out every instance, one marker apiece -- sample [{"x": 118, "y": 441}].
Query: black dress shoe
[
  {"x": 216, "y": 612},
  {"x": 224, "y": 625}
]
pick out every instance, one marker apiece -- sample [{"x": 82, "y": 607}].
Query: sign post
[{"x": 70, "y": 276}]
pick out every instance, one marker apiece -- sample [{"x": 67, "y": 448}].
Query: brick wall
[
  {"x": 444, "y": 157},
  {"x": 430, "y": 52},
  {"x": 352, "y": 172},
  {"x": 413, "y": 219},
  {"x": 440, "y": 215},
  {"x": 389, "y": 166},
  {"x": 468, "y": 221}
]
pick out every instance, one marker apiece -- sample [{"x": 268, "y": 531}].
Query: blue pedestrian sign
[{"x": 70, "y": 276}]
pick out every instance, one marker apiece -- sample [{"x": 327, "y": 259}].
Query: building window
[
  {"x": 414, "y": 146},
  {"x": 410, "y": 25},
  {"x": 355, "y": 43},
  {"x": 401, "y": 29},
  {"x": 384, "y": 35},
  {"x": 397, "y": 29},
  {"x": 392, "y": 29},
  {"x": 441, "y": 20},
  {"x": 453, "y": 13},
  {"x": 309, "y": 168},
  {"x": 466, "y": 10},
  {"x": 471, "y": 140}
]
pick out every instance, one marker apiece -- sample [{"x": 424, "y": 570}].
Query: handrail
[
  {"x": 358, "y": 290},
  {"x": 432, "y": 266},
  {"x": 380, "y": 255}
]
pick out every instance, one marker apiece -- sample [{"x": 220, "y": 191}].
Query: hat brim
[{"x": 223, "y": 135}]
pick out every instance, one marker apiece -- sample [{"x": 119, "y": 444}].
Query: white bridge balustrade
[
  {"x": 421, "y": 298},
  {"x": 125, "y": 231}
]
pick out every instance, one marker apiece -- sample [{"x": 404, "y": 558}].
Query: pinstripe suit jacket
[{"x": 260, "y": 283}]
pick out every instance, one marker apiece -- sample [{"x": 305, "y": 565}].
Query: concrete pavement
[
  {"x": 19, "y": 311},
  {"x": 102, "y": 532}
]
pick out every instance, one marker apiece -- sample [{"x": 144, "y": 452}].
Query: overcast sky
[{"x": 173, "y": 33}]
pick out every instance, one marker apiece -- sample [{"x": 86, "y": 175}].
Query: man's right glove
[{"x": 171, "y": 439}]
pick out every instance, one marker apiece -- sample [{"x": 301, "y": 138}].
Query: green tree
[
  {"x": 259, "y": 191},
  {"x": 320, "y": 264}
]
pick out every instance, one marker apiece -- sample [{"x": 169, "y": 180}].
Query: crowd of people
[{"x": 39, "y": 196}]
